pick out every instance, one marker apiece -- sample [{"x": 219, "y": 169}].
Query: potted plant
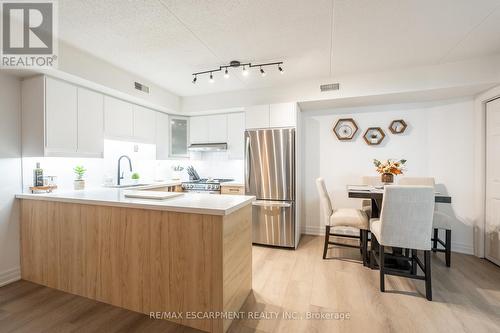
[
  {"x": 79, "y": 183},
  {"x": 135, "y": 177},
  {"x": 388, "y": 169}
]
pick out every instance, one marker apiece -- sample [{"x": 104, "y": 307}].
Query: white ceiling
[{"x": 165, "y": 41}]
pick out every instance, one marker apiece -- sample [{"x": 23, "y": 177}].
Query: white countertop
[
  {"x": 196, "y": 203},
  {"x": 152, "y": 185}
]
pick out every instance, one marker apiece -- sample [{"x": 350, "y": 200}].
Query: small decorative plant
[
  {"x": 135, "y": 177},
  {"x": 389, "y": 168},
  {"x": 79, "y": 183},
  {"x": 79, "y": 172}
]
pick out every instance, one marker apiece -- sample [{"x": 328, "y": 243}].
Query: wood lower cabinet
[
  {"x": 233, "y": 189},
  {"x": 140, "y": 259}
]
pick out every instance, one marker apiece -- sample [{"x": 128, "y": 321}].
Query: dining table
[{"x": 376, "y": 195}]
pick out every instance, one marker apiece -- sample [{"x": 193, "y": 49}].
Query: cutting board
[{"x": 156, "y": 195}]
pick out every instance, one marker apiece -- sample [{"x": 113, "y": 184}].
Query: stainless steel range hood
[{"x": 208, "y": 147}]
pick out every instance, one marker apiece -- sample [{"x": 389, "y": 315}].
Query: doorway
[{"x": 492, "y": 226}]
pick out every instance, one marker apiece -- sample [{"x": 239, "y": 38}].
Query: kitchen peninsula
[{"x": 187, "y": 254}]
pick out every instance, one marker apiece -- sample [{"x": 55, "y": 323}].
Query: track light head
[
  {"x": 280, "y": 69},
  {"x": 245, "y": 71},
  {"x": 195, "y": 79},
  {"x": 211, "y": 80},
  {"x": 262, "y": 73},
  {"x": 226, "y": 74}
]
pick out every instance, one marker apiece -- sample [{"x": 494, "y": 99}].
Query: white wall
[
  {"x": 10, "y": 170},
  {"x": 439, "y": 143}
]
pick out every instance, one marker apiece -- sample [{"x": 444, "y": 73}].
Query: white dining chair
[
  {"x": 441, "y": 220},
  {"x": 366, "y": 204},
  {"x": 343, "y": 217},
  {"x": 405, "y": 222}
]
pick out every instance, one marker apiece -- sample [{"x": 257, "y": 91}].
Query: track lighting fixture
[{"x": 235, "y": 64}]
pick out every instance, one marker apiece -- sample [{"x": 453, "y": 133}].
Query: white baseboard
[
  {"x": 455, "y": 247},
  {"x": 10, "y": 275},
  {"x": 314, "y": 230},
  {"x": 462, "y": 248}
]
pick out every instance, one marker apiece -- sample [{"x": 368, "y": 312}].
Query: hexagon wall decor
[
  {"x": 374, "y": 136},
  {"x": 345, "y": 129},
  {"x": 398, "y": 126}
]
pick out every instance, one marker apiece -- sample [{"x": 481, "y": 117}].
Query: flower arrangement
[{"x": 389, "y": 168}]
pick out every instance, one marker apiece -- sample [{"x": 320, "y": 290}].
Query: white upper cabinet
[
  {"x": 217, "y": 128},
  {"x": 64, "y": 119},
  {"x": 61, "y": 116},
  {"x": 198, "y": 129},
  {"x": 162, "y": 136},
  {"x": 90, "y": 122},
  {"x": 274, "y": 115},
  {"x": 144, "y": 124},
  {"x": 236, "y": 135},
  {"x": 208, "y": 129},
  {"x": 179, "y": 136},
  {"x": 257, "y": 116},
  {"x": 282, "y": 115},
  {"x": 118, "y": 118}
]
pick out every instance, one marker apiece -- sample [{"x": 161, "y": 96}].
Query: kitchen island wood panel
[{"x": 141, "y": 259}]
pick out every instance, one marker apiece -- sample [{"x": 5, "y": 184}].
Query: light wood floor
[{"x": 466, "y": 299}]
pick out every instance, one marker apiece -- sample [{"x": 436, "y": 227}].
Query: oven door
[{"x": 273, "y": 223}]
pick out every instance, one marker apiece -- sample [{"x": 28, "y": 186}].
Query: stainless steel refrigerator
[{"x": 270, "y": 176}]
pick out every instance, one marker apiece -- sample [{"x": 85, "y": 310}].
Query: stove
[{"x": 204, "y": 185}]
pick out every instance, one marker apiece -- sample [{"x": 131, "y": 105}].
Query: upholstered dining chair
[
  {"x": 366, "y": 204},
  {"x": 343, "y": 217},
  {"x": 441, "y": 220},
  {"x": 405, "y": 222}
]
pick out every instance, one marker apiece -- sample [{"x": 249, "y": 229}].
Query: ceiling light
[
  {"x": 246, "y": 67},
  {"x": 262, "y": 73}
]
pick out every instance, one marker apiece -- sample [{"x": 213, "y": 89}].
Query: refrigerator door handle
[
  {"x": 247, "y": 166},
  {"x": 264, "y": 203}
]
